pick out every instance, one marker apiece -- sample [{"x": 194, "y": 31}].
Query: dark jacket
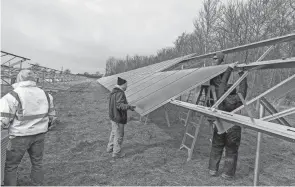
[
  {"x": 221, "y": 79},
  {"x": 118, "y": 106},
  {"x": 232, "y": 101}
]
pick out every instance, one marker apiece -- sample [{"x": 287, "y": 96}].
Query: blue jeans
[
  {"x": 17, "y": 147},
  {"x": 229, "y": 140}
]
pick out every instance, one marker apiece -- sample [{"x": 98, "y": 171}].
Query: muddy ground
[{"x": 75, "y": 150}]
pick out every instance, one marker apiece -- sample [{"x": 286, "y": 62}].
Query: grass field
[{"x": 75, "y": 150}]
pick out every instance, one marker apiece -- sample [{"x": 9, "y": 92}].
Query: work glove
[
  {"x": 51, "y": 122},
  {"x": 241, "y": 72},
  {"x": 233, "y": 65},
  {"x": 132, "y": 108},
  {"x": 3, "y": 125}
]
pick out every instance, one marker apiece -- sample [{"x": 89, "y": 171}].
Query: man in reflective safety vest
[{"x": 26, "y": 112}]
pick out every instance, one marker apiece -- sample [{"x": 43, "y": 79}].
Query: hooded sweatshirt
[{"x": 118, "y": 106}]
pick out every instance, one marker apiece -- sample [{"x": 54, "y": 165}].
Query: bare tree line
[{"x": 221, "y": 25}]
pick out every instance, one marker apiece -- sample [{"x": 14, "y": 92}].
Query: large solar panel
[
  {"x": 151, "y": 80},
  {"x": 158, "y": 94},
  {"x": 141, "y": 73},
  {"x": 150, "y": 89},
  {"x": 136, "y": 75}
]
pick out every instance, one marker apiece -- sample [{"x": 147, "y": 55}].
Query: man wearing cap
[
  {"x": 231, "y": 138},
  {"x": 26, "y": 112},
  {"x": 118, "y": 107},
  {"x": 218, "y": 58}
]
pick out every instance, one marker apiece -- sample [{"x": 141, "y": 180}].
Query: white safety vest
[{"x": 26, "y": 109}]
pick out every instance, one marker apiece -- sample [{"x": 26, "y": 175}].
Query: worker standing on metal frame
[
  {"x": 118, "y": 107},
  {"x": 230, "y": 140},
  {"x": 26, "y": 112}
]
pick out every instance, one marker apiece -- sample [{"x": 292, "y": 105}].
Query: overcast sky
[{"x": 82, "y": 34}]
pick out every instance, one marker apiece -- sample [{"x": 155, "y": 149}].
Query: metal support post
[
  {"x": 257, "y": 159},
  {"x": 167, "y": 116},
  {"x": 146, "y": 119}
]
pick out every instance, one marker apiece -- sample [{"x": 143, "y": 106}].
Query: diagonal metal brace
[
  {"x": 246, "y": 107},
  {"x": 280, "y": 114},
  {"x": 272, "y": 111}
]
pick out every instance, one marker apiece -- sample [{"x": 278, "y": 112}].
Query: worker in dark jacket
[
  {"x": 118, "y": 107},
  {"x": 217, "y": 60},
  {"x": 230, "y": 140}
]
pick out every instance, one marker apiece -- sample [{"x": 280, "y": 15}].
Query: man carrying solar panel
[
  {"x": 118, "y": 107},
  {"x": 231, "y": 138}
]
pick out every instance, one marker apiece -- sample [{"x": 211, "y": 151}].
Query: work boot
[
  {"x": 119, "y": 155},
  {"x": 212, "y": 173},
  {"x": 226, "y": 177}
]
